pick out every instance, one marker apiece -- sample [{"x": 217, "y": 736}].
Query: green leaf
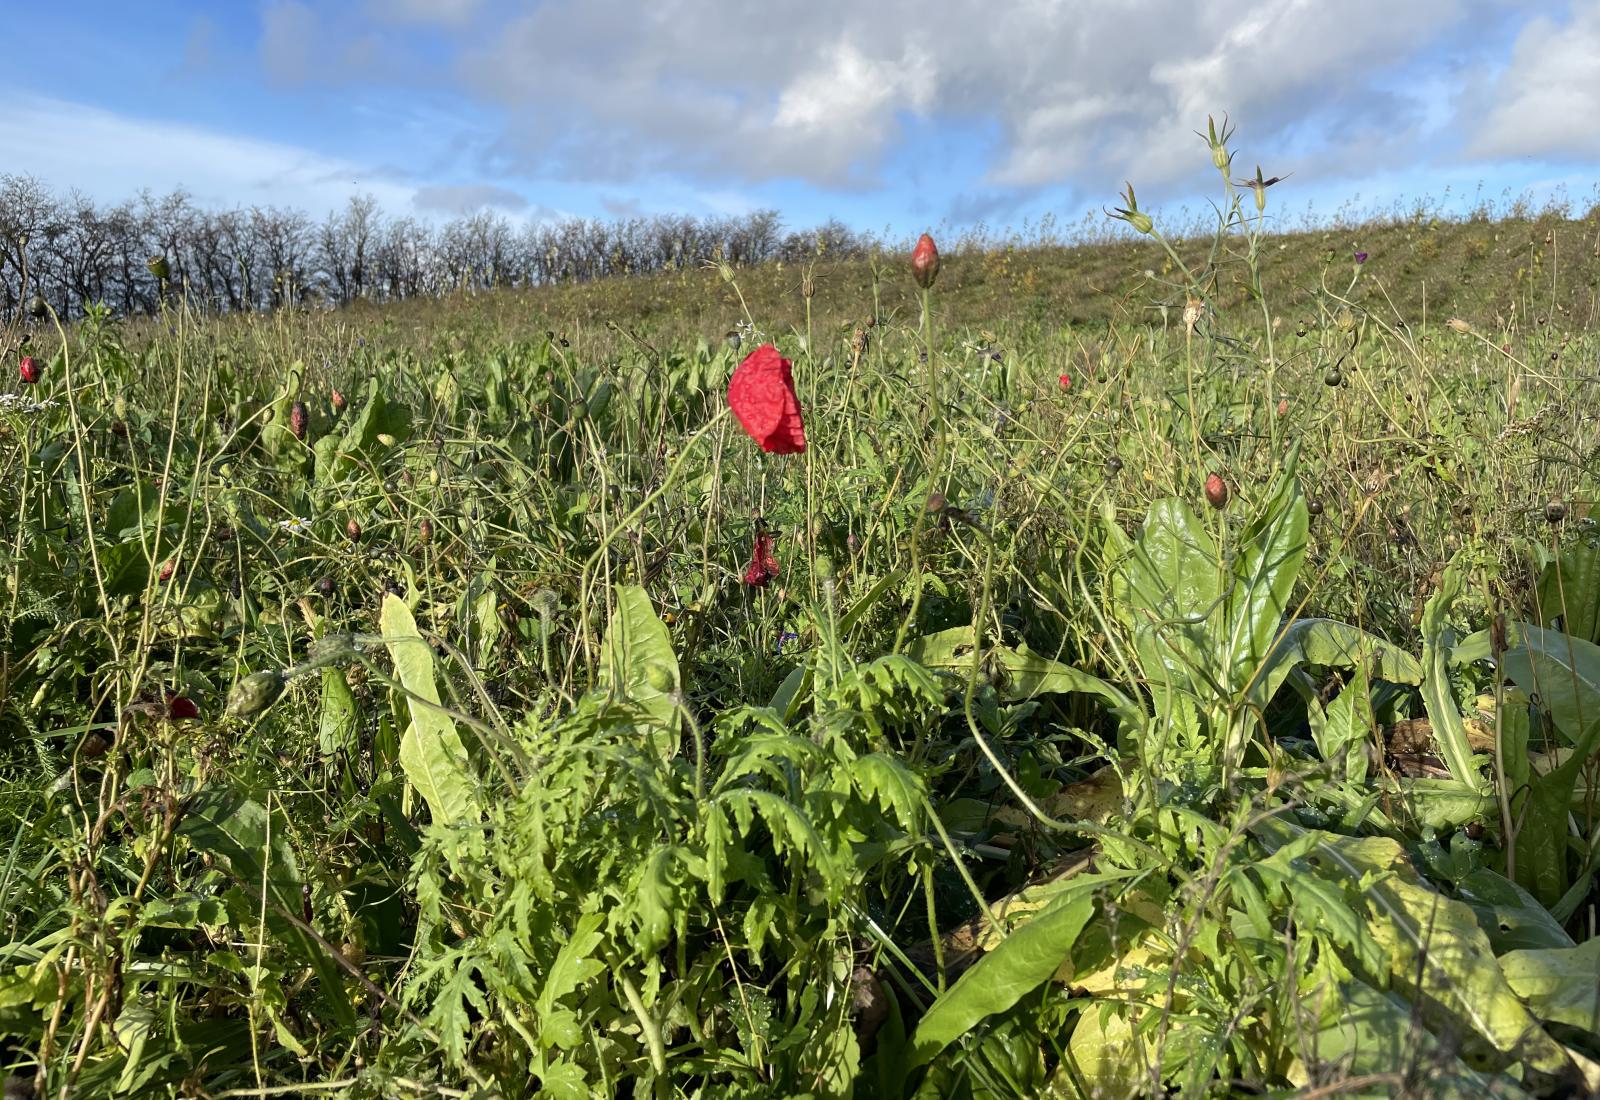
[
  {"x": 1168, "y": 590},
  {"x": 338, "y": 727},
  {"x": 1022, "y": 962},
  {"x": 884, "y": 777},
  {"x": 1562, "y": 674},
  {"x": 252, "y": 848},
  {"x": 1348, "y": 731},
  {"x": 1509, "y": 915},
  {"x": 1026, "y": 674},
  {"x": 574, "y": 963},
  {"x": 431, "y": 751},
  {"x": 1437, "y": 696},
  {"x": 1560, "y": 984},
  {"x": 1434, "y": 948},
  {"x": 1569, "y": 590},
  {"x": 1264, "y": 578},
  {"x": 1330, "y": 644},
  {"x": 640, "y": 665}
]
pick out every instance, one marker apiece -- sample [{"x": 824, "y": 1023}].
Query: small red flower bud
[
  {"x": 1283, "y": 406},
  {"x": 925, "y": 262},
  {"x": 1216, "y": 491},
  {"x": 339, "y": 402},
  {"x": 299, "y": 419},
  {"x": 29, "y": 369},
  {"x": 167, "y": 568},
  {"x": 180, "y": 707},
  {"x": 1065, "y": 381}
]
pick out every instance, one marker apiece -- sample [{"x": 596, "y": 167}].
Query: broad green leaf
[
  {"x": 1562, "y": 674},
  {"x": 1168, "y": 590},
  {"x": 1509, "y": 915},
  {"x": 1437, "y": 697},
  {"x": 338, "y": 726},
  {"x": 1331, "y": 644},
  {"x": 1347, "y": 734},
  {"x": 1569, "y": 590},
  {"x": 1264, "y": 578},
  {"x": 640, "y": 665},
  {"x": 1435, "y": 950},
  {"x": 431, "y": 751},
  {"x": 1560, "y": 984},
  {"x": 1022, "y": 962},
  {"x": 1367, "y": 1032},
  {"x": 1026, "y": 673}
]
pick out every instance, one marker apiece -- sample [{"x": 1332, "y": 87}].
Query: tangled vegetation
[{"x": 1205, "y": 703}]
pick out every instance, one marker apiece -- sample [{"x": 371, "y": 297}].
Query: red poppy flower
[
  {"x": 763, "y": 566},
  {"x": 29, "y": 369},
  {"x": 180, "y": 707},
  {"x": 761, "y": 394},
  {"x": 1065, "y": 382}
]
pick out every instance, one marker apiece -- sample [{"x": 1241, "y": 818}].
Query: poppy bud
[
  {"x": 299, "y": 419},
  {"x": 1065, "y": 382},
  {"x": 180, "y": 708},
  {"x": 925, "y": 262},
  {"x": 339, "y": 402},
  {"x": 158, "y": 266},
  {"x": 29, "y": 369},
  {"x": 1283, "y": 406},
  {"x": 1216, "y": 491},
  {"x": 425, "y": 531},
  {"x": 254, "y": 694},
  {"x": 352, "y": 529},
  {"x": 166, "y": 570},
  {"x": 37, "y": 306},
  {"x": 325, "y": 586}
]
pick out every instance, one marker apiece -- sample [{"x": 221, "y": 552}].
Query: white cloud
[
  {"x": 447, "y": 13},
  {"x": 818, "y": 89},
  {"x": 1546, "y": 102},
  {"x": 110, "y": 157}
]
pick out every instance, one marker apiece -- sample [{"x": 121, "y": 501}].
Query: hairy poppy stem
[{"x": 936, "y": 410}]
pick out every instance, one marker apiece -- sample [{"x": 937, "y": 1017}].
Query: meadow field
[{"x": 1167, "y": 668}]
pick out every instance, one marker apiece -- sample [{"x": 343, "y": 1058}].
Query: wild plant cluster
[{"x": 1198, "y": 706}]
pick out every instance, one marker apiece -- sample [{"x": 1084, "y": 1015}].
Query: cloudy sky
[{"x": 889, "y": 114}]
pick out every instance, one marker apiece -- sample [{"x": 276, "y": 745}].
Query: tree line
[{"x": 67, "y": 250}]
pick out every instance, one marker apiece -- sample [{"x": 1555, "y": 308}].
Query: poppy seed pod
[
  {"x": 299, "y": 420},
  {"x": 254, "y": 694},
  {"x": 158, "y": 266},
  {"x": 29, "y": 370},
  {"x": 925, "y": 262},
  {"x": 37, "y": 306},
  {"x": 1216, "y": 491}
]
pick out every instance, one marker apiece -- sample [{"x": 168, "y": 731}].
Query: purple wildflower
[{"x": 1361, "y": 257}]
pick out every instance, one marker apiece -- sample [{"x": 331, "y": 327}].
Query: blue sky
[{"x": 891, "y": 115}]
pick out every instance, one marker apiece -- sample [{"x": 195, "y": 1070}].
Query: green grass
[{"x": 987, "y": 796}]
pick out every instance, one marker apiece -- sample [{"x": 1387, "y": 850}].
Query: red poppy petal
[
  {"x": 761, "y": 394},
  {"x": 180, "y": 707}
]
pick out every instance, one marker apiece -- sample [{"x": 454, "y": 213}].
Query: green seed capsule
[{"x": 254, "y": 694}]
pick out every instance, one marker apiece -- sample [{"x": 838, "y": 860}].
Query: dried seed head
[
  {"x": 299, "y": 420},
  {"x": 1555, "y": 512}
]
